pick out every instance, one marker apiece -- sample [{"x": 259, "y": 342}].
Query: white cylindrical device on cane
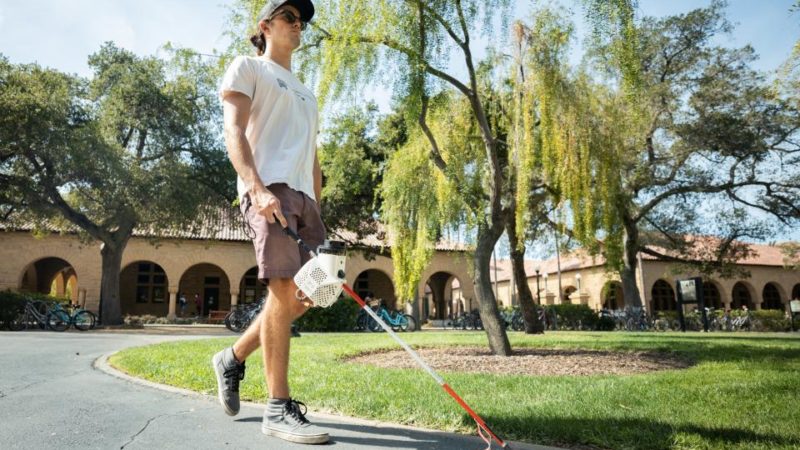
[{"x": 321, "y": 278}]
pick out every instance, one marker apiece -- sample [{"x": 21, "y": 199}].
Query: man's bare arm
[
  {"x": 317, "y": 179},
  {"x": 236, "y": 110}
]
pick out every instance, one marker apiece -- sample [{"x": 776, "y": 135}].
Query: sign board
[
  {"x": 690, "y": 291},
  {"x": 794, "y": 305}
]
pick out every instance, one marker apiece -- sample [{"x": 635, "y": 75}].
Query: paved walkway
[{"x": 52, "y": 396}]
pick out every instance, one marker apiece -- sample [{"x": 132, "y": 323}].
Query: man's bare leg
[
  {"x": 281, "y": 309},
  {"x": 283, "y": 416},
  {"x": 250, "y": 339}
]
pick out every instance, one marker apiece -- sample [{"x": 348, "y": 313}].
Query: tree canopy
[{"x": 136, "y": 146}]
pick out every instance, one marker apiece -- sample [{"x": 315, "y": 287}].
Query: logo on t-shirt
[
  {"x": 299, "y": 95},
  {"x": 282, "y": 84}
]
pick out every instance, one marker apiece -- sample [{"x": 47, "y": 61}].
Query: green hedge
[
  {"x": 339, "y": 317},
  {"x": 574, "y": 317},
  {"x": 131, "y": 321},
  {"x": 770, "y": 320}
]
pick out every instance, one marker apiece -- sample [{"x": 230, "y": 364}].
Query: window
[
  {"x": 741, "y": 296},
  {"x": 151, "y": 284},
  {"x": 711, "y": 295},
  {"x": 251, "y": 289},
  {"x": 568, "y": 291},
  {"x": 362, "y": 284},
  {"x": 772, "y": 298},
  {"x": 663, "y": 297},
  {"x": 613, "y": 298}
]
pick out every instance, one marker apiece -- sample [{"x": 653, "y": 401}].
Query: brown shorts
[{"x": 278, "y": 255}]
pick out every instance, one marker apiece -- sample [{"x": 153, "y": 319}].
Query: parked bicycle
[
  {"x": 238, "y": 319},
  {"x": 636, "y": 319},
  {"x": 743, "y": 322},
  {"x": 363, "y": 319},
  {"x": 467, "y": 321},
  {"x": 78, "y": 317},
  {"x": 398, "y": 321},
  {"x": 512, "y": 319},
  {"x": 37, "y": 314}
]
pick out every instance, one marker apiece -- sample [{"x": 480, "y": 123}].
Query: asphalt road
[{"x": 52, "y": 396}]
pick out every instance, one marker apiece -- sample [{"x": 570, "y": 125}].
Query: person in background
[{"x": 182, "y": 303}]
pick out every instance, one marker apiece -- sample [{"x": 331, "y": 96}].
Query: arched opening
[
  {"x": 143, "y": 289},
  {"x": 663, "y": 297},
  {"x": 438, "y": 295},
  {"x": 207, "y": 287},
  {"x": 796, "y": 292},
  {"x": 457, "y": 297},
  {"x": 378, "y": 284},
  {"x": 566, "y": 299},
  {"x": 740, "y": 296},
  {"x": 251, "y": 289},
  {"x": 429, "y": 311},
  {"x": 71, "y": 289},
  {"x": 53, "y": 276},
  {"x": 771, "y": 297},
  {"x": 612, "y": 296},
  {"x": 711, "y": 297}
]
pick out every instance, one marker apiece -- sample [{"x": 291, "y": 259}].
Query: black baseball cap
[{"x": 305, "y": 7}]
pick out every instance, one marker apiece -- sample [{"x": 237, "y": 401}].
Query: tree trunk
[
  {"x": 526, "y": 300},
  {"x": 629, "y": 264},
  {"x": 490, "y": 313},
  {"x": 110, "y": 307}
]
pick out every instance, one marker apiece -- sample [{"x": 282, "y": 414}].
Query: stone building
[
  {"x": 216, "y": 265},
  {"x": 584, "y": 280}
]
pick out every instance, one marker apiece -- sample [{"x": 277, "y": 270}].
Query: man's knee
[{"x": 285, "y": 291}]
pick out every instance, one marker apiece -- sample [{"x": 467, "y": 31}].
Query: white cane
[{"x": 321, "y": 280}]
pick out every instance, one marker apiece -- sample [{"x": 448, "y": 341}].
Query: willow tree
[
  {"x": 567, "y": 139},
  {"x": 678, "y": 123},
  {"x": 409, "y": 44}
]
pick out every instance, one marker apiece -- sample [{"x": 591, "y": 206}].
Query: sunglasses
[{"x": 290, "y": 18}]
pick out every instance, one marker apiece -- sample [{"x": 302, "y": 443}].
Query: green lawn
[{"x": 744, "y": 391}]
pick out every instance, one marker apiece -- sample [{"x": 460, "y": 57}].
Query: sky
[{"x": 61, "y": 34}]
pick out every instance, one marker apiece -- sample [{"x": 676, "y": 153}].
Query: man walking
[{"x": 270, "y": 132}]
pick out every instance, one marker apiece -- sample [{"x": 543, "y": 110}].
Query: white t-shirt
[{"x": 282, "y": 130}]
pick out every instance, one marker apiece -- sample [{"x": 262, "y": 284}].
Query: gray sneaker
[
  {"x": 229, "y": 373},
  {"x": 284, "y": 419}
]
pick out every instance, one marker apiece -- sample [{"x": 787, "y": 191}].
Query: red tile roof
[
  {"x": 223, "y": 225},
  {"x": 763, "y": 255}
]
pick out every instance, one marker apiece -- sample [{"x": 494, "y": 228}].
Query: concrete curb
[{"x": 103, "y": 365}]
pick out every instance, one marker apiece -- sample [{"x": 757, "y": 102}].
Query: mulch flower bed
[{"x": 528, "y": 361}]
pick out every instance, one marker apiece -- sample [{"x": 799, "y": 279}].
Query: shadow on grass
[
  {"x": 704, "y": 348},
  {"x": 629, "y": 433},
  {"x": 561, "y": 432},
  {"x": 711, "y": 337}
]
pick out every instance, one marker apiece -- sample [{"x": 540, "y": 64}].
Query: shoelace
[
  {"x": 233, "y": 375},
  {"x": 292, "y": 409}
]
